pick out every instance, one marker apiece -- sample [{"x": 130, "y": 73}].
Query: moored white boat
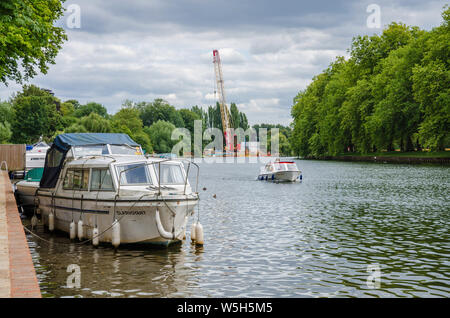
[
  {"x": 96, "y": 181},
  {"x": 280, "y": 171},
  {"x": 35, "y": 158}
]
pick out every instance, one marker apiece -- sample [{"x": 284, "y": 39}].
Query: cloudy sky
[{"x": 147, "y": 49}]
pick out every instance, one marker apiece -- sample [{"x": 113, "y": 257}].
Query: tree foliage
[
  {"x": 28, "y": 39},
  {"x": 393, "y": 92}
]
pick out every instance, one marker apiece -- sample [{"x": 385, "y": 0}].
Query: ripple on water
[{"x": 309, "y": 239}]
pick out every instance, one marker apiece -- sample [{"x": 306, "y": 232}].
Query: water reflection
[{"x": 309, "y": 239}]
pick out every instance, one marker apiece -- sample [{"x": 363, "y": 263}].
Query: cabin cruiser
[
  {"x": 102, "y": 182},
  {"x": 280, "y": 171}
]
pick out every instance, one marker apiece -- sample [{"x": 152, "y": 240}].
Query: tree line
[
  {"x": 393, "y": 92},
  {"x": 35, "y": 112}
]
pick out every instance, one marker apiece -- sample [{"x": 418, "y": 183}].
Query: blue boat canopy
[
  {"x": 65, "y": 141},
  {"x": 57, "y": 153}
]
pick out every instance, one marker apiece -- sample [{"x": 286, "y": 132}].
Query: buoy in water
[
  {"x": 51, "y": 221},
  {"x": 72, "y": 230},
  {"x": 95, "y": 236},
  {"x": 193, "y": 232},
  {"x": 198, "y": 234},
  {"x": 115, "y": 234},
  {"x": 80, "y": 230}
]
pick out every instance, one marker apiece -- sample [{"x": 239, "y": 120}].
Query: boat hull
[
  {"x": 137, "y": 219},
  {"x": 25, "y": 193},
  {"x": 280, "y": 176}
]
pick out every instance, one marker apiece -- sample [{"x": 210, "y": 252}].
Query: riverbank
[
  {"x": 17, "y": 273},
  {"x": 391, "y": 157}
]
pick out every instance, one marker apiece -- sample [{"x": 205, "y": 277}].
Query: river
[{"x": 347, "y": 230}]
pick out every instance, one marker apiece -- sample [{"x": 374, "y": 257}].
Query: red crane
[{"x": 224, "y": 112}]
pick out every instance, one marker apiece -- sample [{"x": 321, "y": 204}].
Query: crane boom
[{"x": 224, "y": 112}]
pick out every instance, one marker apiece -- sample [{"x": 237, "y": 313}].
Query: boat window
[
  {"x": 279, "y": 166},
  {"x": 91, "y": 150},
  {"x": 68, "y": 180},
  {"x": 170, "y": 173},
  {"x": 101, "y": 179},
  {"x": 134, "y": 174},
  {"x": 54, "y": 158},
  {"x": 125, "y": 150},
  {"x": 76, "y": 179},
  {"x": 292, "y": 167}
]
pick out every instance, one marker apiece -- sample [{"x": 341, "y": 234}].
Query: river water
[{"x": 347, "y": 230}]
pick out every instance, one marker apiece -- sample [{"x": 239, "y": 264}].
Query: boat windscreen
[
  {"x": 133, "y": 174},
  {"x": 170, "y": 174},
  {"x": 125, "y": 150},
  {"x": 95, "y": 150}
]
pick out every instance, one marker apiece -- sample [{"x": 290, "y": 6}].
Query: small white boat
[
  {"x": 280, "y": 171},
  {"x": 102, "y": 186},
  {"x": 35, "y": 158},
  {"x": 26, "y": 189}
]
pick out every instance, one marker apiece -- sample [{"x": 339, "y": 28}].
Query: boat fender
[
  {"x": 116, "y": 234},
  {"x": 72, "y": 230},
  {"x": 80, "y": 230},
  {"x": 34, "y": 221},
  {"x": 95, "y": 236},
  {"x": 301, "y": 177},
  {"x": 198, "y": 234},
  {"x": 193, "y": 232},
  {"x": 162, "y": 232},
  {"x": 51, "y": 221},
  {"x": 273, "y": 177}
]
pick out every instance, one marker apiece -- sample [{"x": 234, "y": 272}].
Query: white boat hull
[
  {"x": 35, "y": 160},
  {"x": 25, "y": 191},
  {"x": 138, "y": 223},
  {"x": 280, "y": 176}
]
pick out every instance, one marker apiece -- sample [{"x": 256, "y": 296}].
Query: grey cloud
[{"x": 270, "y": 50}]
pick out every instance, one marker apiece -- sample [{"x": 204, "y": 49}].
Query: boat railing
[{"x": 159, "y": 172}]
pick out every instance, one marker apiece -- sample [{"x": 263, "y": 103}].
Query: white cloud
[{"x": 141, "y": 50}]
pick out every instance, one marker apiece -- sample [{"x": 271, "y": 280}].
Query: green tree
[
  {"x": 393, "y": 92},
  {"x": 188, "y": 118},
  {"x": 160, "y": 134},
  {"x": 86, "y": 110},
  {"x": 76, "y": 128},
  {"x": 95, "y": 123},
  {"x": 235, "y": 116},
  {"x": 6, "y": 112},
  {"x": 5, "y": 132},
  {"x": 159, "y": 109},
  {"x": 35, "y": 115},
  {"x": 29, "y": 40}
]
